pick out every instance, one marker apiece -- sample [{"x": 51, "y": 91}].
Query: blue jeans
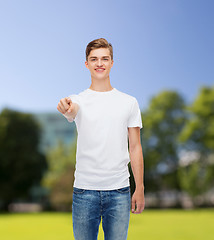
[{"x": 90, "y": 205}]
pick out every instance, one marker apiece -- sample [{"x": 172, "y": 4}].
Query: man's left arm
[{"x": 137, "y": 165}]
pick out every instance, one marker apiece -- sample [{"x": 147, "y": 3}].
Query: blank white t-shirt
[{"x": 102, "y": 123}]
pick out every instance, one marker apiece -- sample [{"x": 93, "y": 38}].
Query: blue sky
[{"x": 158, "y": 45}]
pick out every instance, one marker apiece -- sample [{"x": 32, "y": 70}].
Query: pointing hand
[{"x": 65, "y": 105}]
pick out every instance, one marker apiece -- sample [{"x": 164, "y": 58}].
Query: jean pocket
[
  {"x": 123, "y": 190},
  {"x": 78, "y": 190}
]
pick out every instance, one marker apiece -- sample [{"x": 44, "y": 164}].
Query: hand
[
  {"x": 138, "y": 201},
  {"x": 65, "y": 105}
]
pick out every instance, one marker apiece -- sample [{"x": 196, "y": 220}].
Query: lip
[{"x": 98, "y": 71}]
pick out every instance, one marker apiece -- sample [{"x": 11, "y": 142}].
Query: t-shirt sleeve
[
  {"x": 74, "y": 98},
  {"x": 135, "y": 119}
]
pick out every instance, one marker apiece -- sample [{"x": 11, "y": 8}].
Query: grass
[{"x": 151, "y": 224}]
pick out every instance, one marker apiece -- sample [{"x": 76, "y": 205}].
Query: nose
[{"x": 99, "y": 62}]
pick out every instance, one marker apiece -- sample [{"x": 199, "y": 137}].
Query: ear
[
  {"x": 86, "y": 64},
  {"x": 112, "y": 62}
]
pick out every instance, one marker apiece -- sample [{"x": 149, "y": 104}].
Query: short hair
[{"x": 98, "y": 43}]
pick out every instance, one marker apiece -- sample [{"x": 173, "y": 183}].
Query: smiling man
[{"x": 106, "y": 119}]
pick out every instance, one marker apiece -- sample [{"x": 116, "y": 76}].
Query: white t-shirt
[{"x": 102, "y": 123}]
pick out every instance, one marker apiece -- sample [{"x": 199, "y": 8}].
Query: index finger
[{"x": 68, "y": 99}]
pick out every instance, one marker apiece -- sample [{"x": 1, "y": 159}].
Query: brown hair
[{"x": 98, "y": 43}]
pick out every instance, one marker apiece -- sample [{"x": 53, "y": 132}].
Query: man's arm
[{"x": 136, "y": 157}]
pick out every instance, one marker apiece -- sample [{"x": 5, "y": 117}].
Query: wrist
[
  {"x": 68, "y": 116},
  {"x": 140, "y": 188}
]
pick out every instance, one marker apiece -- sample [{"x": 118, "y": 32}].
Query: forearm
[{"x": 137, "y": 165}]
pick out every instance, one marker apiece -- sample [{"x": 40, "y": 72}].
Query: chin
[{"x": 100, "y": 76}]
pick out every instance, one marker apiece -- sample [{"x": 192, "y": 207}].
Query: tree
[
  {"x": 198, "y": 132},
  {"x": 163, "y": 121},
  {"x": 198, "y": 136},
  {"x": 59, "y": 177},
  {"x": 194, "y": 179},
  {"x": 21, "y": 164}
]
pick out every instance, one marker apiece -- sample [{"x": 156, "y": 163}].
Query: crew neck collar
[{"x": 101, "y": 92}]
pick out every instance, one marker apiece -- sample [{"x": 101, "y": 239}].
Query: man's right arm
[{"x": 68, "y": 108}]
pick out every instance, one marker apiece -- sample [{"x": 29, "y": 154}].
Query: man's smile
[{"x": 100, "y": 69}]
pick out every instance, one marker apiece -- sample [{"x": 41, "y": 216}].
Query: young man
[{"x": 105, "y": 119}]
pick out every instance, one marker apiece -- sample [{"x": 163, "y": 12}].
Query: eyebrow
[{"x": 102, "y": 57}]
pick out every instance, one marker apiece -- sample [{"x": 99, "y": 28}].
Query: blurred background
[{"x": 163, "y": 56}]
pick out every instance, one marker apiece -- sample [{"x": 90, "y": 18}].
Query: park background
[{"x": 163, "y": 56}]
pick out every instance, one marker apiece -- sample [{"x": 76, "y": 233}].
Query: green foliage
[
  {"x": 198, "y": 135},
  {"x": 194, "y": 179},
  {"x": 163, "y": 121},
  {"x": 198, "y": 131},
  {"x": 21, "y": 164},
  {"x": 59, "y": 177},
  {"x": 62, "y": 189}
]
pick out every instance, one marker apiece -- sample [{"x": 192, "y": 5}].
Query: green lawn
[{"x": 149, "y": 225}]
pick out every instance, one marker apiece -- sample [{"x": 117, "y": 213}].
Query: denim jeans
[{"x": 90, "y": 205}]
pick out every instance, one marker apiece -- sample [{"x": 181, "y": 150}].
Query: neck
[{"x": 101, "y": 85}]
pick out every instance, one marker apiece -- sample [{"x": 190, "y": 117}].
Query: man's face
[{"x": 99, "y": 63}]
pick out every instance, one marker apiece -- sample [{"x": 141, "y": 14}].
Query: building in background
[{"x": 55, "y": 128}]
